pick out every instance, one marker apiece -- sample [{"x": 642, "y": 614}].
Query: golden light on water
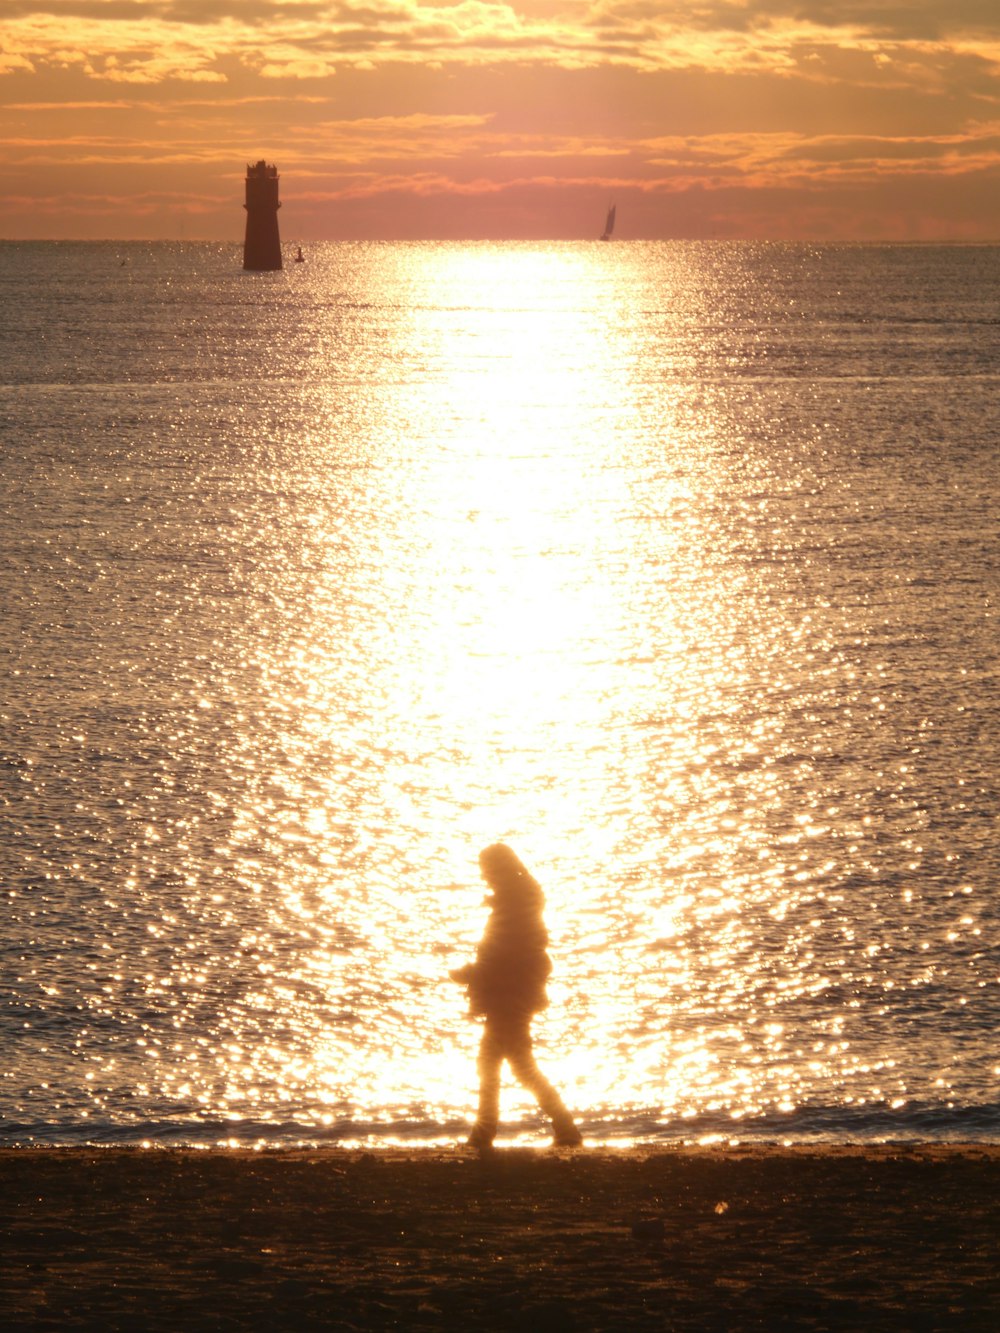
[
  {"x": 486, "y": 669},
  {"x": 517, "y": 647},
  {"x": 520, "y": 551}
]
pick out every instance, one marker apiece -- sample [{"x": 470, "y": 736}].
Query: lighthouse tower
[{"x": 262, "y": 246}]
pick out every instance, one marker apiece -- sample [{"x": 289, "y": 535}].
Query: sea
[{"x": 673, "y": 565}]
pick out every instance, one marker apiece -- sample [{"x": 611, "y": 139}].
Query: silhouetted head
[{"x": 512, "y": 884}]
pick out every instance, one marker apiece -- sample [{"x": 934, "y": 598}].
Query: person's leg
[
  {"x": 517, "y": 1048},
  {"x": 489, "y": 1063}
]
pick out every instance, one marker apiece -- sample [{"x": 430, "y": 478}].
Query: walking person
[{"x": 506, "y": 985}]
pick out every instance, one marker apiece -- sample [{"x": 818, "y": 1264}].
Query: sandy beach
[{"x": 896, "y": 1237}]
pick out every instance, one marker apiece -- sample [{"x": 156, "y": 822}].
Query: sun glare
[
  {"x": 520, "y": 593},
  {"x": 491, "y": 633},
  {"x": 498, "y": 652}
]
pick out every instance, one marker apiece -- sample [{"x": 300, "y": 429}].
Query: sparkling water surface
[{"x": 675, "y": 566}]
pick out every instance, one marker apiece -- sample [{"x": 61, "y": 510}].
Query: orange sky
[{"x": 818, "y": 119}]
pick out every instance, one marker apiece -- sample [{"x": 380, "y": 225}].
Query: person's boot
[
  {"x": 565, "y": 1133},
  {"x": 480, "y": 1137}
]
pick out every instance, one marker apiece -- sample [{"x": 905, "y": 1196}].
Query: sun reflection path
[
  {"x": 464, "y": 665},
  {"x": 541, "y": 586},
  {"x": 521, "y": 644},
  {"x": 500, "y": 586},
  {"x": 507, "y": 635}
]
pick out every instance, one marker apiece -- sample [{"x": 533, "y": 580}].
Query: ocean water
[{"x": 675, "y": 566}]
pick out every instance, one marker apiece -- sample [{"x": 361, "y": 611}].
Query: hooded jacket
[{"x": 508, "y": 978}]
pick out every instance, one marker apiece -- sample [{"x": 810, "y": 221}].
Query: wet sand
[{"x": 902, "y": 1237}]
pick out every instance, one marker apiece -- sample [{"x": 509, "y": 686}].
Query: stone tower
[{"x": 262, "y": 246}]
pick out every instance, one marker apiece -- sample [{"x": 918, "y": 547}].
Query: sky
[{"x": 398, "y": 119}]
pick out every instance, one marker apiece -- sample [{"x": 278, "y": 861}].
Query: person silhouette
[{"x": 506, "y": 986}]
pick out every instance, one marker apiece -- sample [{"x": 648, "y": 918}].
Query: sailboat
[{"x": 609, "y": 226}]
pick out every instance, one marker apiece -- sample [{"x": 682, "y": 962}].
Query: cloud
[
  {"x": 896, "y": 20},
  {"x": 523, "y": 105},
  {"x": 155, "y": 40}
]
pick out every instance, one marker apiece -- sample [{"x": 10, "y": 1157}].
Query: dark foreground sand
[{"x": 758, "y": 1238}]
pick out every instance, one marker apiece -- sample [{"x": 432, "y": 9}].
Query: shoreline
[
  {"x": 401, "y": 1154},
  {"x": 892, "y": 1236}
]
